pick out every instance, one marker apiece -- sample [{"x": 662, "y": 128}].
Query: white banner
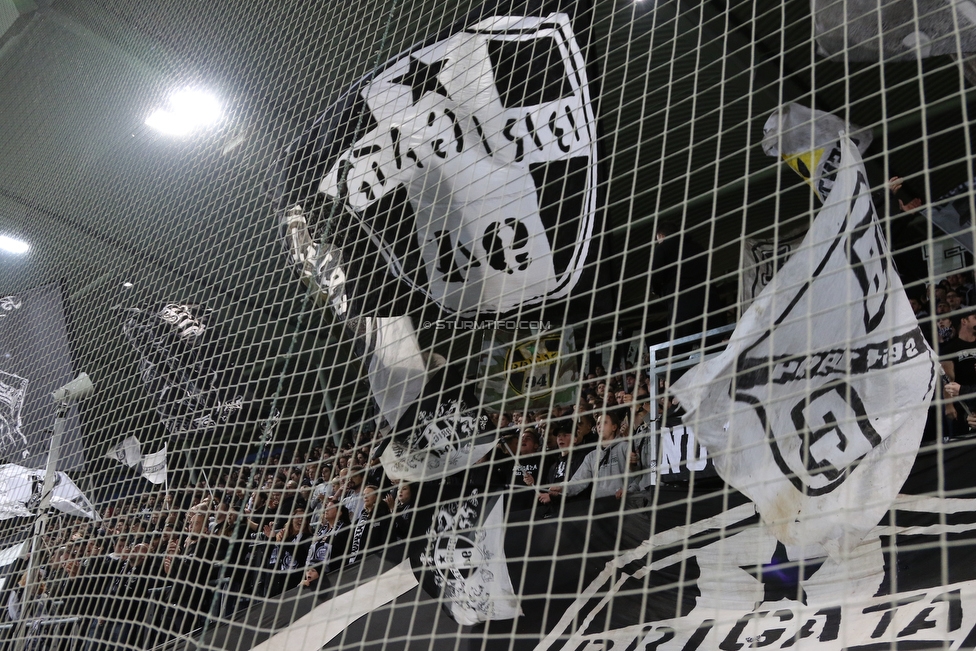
[
  {"x": 806, "y": 139},
  {"x": 129, "y": 452},
  {"x": 319, "y": 627},
  {"x": 816, "y": 408},
  {"x": 485, "y": 156},
  {"x": 154, "y": 466},
  {"x": 20, "y": 493},
  {"x": 466, "y": 555}
]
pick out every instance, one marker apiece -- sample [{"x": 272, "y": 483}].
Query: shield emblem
[{"x": 474, "y": 171}]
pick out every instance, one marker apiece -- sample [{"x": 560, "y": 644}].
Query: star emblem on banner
[
  {"x": 781, "y": 577},
  {"x": 422, "y": 79}
]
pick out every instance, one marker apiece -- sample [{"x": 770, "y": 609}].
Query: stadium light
[
  {"x": 13, "y": 245},
  {"x": 188, "y": 110}
]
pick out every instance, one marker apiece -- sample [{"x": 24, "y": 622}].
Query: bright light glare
[
  {"x": 188, "y": 110},
  {"x": 13, "y": 245}
]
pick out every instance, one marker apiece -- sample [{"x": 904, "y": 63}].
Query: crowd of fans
[
  {"x": 951, "y": 305},
  {"x": 166, "y": 562},
  {"x": 163, "y": 563}
]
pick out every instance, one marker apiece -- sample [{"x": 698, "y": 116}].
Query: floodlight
[
  {"x": 188, "y": 110},
  {"x": 13, "y": 245}
]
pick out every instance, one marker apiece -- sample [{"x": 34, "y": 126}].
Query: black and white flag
[
  {"x": 463, "y": 560},
  {"x": 35, "y": 360},
  {"x": 806, "y": 139},
  {"x": 893, "y": 30},
  {"x": 816, "y": 408},
  {"x": 154, "y": 466},
  {"x": 464, "y": 171},
  {"x": 21, "y": 493},
  {"x": 127, "y": 451},
  {"x": 440, "y": 433},
  {"x": 178, "y": 366}
]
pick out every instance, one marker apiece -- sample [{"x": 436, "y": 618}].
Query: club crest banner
[
  {"x": 463, "y": 557},
  {"x": 464, "y": 169},
  {"x": 440, "y": 433},
  {"x": 128, "y": 452},
  {"x": 816, "y": 408},
  {"x": 528, "y": 371}
]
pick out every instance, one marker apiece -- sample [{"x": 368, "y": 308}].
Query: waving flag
[
  {"x": 463, "y": 558},
  {"x": 20, "y": 493},
  {"x": 462, "y": 172},
  {"x": 439, "y": 434},
  {"x": 35, "y": 360},
  {"x": 458, "y": 180},
  {"x": 128, "y": 451},
  {"x": 179, "y": 367},
  {"x": 154, "y": 466},
  {"x": 806, "y": 139},
  {"x": 816, "y": 408}
]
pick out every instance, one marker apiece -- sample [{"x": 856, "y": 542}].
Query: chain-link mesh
[{"x": 542, "y": 324}]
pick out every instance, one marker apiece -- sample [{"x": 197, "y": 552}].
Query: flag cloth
[
  {"x": 440, "y": 433},
  {"x": 807, "y": 140},
  {"x": 760, "y": 260},
  {"x": 129, "y": 452},
  {"x": 20, "y": 493},
  {"x": 457, "y": 180},
  {"x": 154, "y": 466},
  {"x": 894, "y": 30},
  {"x": 397, "y": 372},
  {"x": 35, "y": 362},
  {"x": 179, "y": 366},
  {"x": 460, "y": 175},
  {"x": 463, "y": 557},
  {"x": 816, "y": 408},
  {"x": 527, "y": 370}
]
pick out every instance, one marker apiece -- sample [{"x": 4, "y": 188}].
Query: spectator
[
  {"x": 959, "y": 364},
  {"x": 946, "y": 331},
  {"x": 127, "y": 601},
  {"x": 192, "y": 568},
  {"x": 918, "y": 308},
  {"x": 586, "y": 430},
  {"x": 401, "y": 509},
  {"x": 526, "y": 471},
  {"x": 954, "y": 300},
  {"x": 561, "y": 469},
  {"x": 290, "y": 554},
  {"x": 352, "y": 494},
  {"x": 330, "y": 539},
  {"x": 961, "y": 283},
  {"x": 604, "y": 468},
  {"x": 322, "y": 490},
  {"x": 371, "y": 530}
]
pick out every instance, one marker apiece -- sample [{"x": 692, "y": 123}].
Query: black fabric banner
[
  {"x": 680, "y": 568},
  {"x": 459, "y": 176},
  {"x": 35, "y": 360},
  {"x": 179, "y": 361}
]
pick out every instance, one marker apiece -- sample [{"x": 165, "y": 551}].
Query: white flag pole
[{"x": 71, "y": 393}]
